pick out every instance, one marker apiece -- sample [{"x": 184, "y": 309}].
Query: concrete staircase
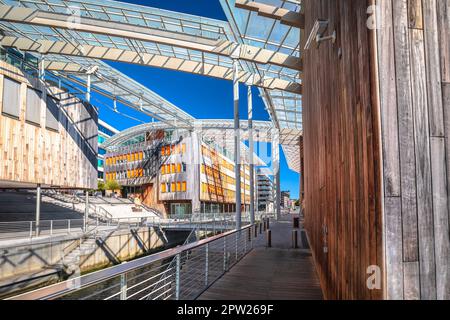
[{"x": 71, "y": 262}]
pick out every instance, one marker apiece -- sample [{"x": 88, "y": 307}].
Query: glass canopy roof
[
  {"x": 243, "y": 27},
  {"x": 268, "y": 33}
]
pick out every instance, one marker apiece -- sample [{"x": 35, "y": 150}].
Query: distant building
[
  {"x": 285, "y": 199},
  {"x": 175, "y": 171},
  {"x": 48, "y": 135},
  {"x": 105, "y": 131},
  {"x": 264, "y": 191}
]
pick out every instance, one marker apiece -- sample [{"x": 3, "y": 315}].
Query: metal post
[
  {"x": 123, "y": 286},
  {"x": 206, "y": 263},
  {"x": 225, "y": 254},
  {"x": 237, "y": 143},
  {"x": 68, "y": 226},
  {"x": 51, "y": 227},
  {"x": 38, "y": 210},
  {"x": 236, "y": 246},
  {"x": 276, "y": 171},
  {"x": 31, "y": 229},
  {"x": 88, "y": 88},
  {"x": 177, "y": 278},
  {"x": 269, "y": 238},
  {"x": 252, "y": 150},
  {"x": 42, "y": 69},
  {"x": 86, "y": 212},
  {"x": 294, "y": 239}
]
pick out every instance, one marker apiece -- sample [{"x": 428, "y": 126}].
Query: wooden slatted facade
[
  {"x": 341, "y": 166},
  {"x": 377, "y": 149},
  {"x": 32, "y": 154},
  {"x": 414, "y": 72}
]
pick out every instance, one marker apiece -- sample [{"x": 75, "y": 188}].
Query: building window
[
  {"x": 173, "y": 187},
  {"x": 163, "y": 187},
  {"x": 173, "y": 168},
  {"x": 184, "y": 166},
  {"x": 178, "y": 186},
  {"x": 52, "y": 114},
  {"x": 163, "y": 169},
  {"x": 33, "y": 111},
  {"x": 11, "y": 97},
  {"x": 183, "y": 186},
  {"x": 179, "y": 167},
  {"x": 183, "y": 148}
]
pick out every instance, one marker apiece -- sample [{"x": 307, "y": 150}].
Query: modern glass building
[
  {"x": 176, "y": 171},
  {"x": 105, "y": 131}
]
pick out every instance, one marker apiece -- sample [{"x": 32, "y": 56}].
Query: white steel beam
[
  {"x": 141, "y": 33},
  {"x": 287, "y": 17},
  {"x": 147, "y": 59}
]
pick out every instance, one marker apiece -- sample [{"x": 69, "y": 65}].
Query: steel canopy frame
[
  {"x": 222, "y": 130},
  {"x": 285, "y": 108},
  {"x": 205, "y": 40},
  {"x": 57, "y": 48},
  {"x": 113, "y": 84},
  {"x": 268, "y": 49}
]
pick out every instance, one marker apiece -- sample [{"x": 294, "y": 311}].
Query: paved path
[{"x": 277, "y": 273}]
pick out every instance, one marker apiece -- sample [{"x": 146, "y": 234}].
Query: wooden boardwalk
[{"x": 277, "y": 273}]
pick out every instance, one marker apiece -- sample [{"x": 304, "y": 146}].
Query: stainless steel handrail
[{"x": 73, "y": 285}]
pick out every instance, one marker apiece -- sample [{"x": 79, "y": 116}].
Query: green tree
[
  {"x": 101, "y": 186},
  {"x": 112, "y": 185}
]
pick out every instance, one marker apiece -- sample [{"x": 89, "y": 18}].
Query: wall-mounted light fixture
[{"x": 317, "y": 34}]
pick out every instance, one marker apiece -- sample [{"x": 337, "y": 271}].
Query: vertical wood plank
[
  {"x": 440, "y": 217},
  {"x": 411, "y": 280},
  {"x": 443, "y": 14},
  {"x": 406, "y": 132},
  {"x": 393, "y": 243},
  {"x": 415, "y": 14},
  {"x": 388, "y": 97},
  {"x": 423, "y": 167},
  {"x": 433, "y": 69}
]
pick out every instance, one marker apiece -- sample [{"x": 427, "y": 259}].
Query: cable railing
[
  {"x": 197, "y": 266},
  {"x": 27, "y": 229}
]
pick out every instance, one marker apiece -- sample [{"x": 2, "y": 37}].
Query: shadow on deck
[{"x": 277, "y": 273}]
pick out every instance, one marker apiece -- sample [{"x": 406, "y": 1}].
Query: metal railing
[
  {"x": 197, "y": 266},
  {"x": 27, "y": 229}
]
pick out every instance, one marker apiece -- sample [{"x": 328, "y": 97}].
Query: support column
[
  {"x": 195, "y": 174},
  {"x": 276, "y": 171},
  {"x": 86, "y": 212},
  {"x": 42, "y": 69},
  {"x": 38, "y": 210},
  {"x": 115, "y": 105},
  {"x": 252, "y": 150},
  {"x": 88, "y": 88},
  {"x": 237, "y": 143}
]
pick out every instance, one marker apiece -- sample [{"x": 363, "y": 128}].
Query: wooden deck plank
[{"x": 277, "y": 273}]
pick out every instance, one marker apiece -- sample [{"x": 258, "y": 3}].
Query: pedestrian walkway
[{"x": 276, "y": 273}]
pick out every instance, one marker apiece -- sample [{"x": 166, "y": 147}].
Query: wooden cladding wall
[
  {"x": 31, "y": 154},
  {"x": 414, "y": 73},
  {"x": 342, "y": 175}
]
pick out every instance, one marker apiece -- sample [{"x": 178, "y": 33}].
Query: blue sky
[{"x": 200, "y": 96}]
